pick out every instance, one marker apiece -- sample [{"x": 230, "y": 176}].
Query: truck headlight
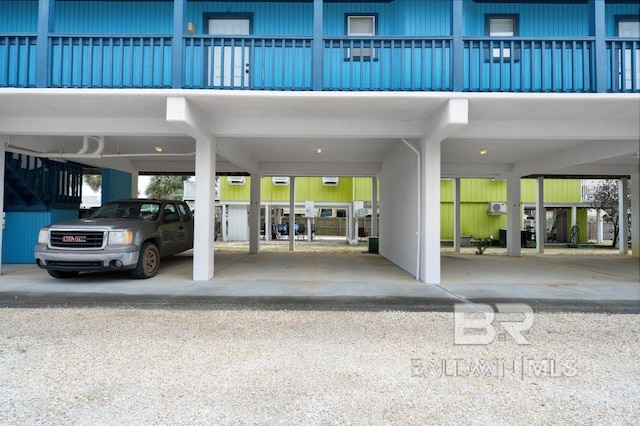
[
  {"x": 43, "y": 237},
  {"x": 120, "y": 237}
]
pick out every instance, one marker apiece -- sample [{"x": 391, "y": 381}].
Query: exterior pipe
[
  {"x": 419, "y": 232},
  {"x": 93, "y": 155}
]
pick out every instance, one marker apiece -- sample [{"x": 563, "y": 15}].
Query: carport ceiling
[{"x": 281, "y": 130}]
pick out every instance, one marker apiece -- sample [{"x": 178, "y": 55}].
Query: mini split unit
[{"x": 497, "y": 208}]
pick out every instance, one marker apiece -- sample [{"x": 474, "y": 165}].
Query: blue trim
[
  {"x": 177, "y": 51},
  {"x": 457, "y": 44},
  {"x": 317, "y": 61},
  {"x": 599, "y": 28},
  {"x": 46, "y": 15}
]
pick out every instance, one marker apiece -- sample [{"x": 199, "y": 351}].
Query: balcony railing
[
  {"x": 529, "y": 65},
  {"x": 282, "y": 63},
  {"x": 110, "y": 61},
  {"x": 623, "y": 63},
  {"x": 486, "y": 64},
  {"x": 389, "y": 64},
  {"x": 18, "y": 60}
]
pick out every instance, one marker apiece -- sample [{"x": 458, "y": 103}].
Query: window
[
  {"x": 361, "y": 26},
  {"x": 502, "y": 26},
  {"x": 628, "y": 28}
]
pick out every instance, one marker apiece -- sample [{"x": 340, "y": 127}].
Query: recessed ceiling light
[
  {"x": 319, "y": 150},
  {"x": 159, "y": 148},
  {"x": 483, "y": 151}
]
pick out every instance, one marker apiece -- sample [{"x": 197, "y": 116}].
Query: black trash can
[
  {"x": 373, "y": 244},
  {"x": 503, "y": 238}
]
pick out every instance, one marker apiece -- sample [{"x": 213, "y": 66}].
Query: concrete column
[
  {"x": 254, "y": 215},
  {"x": 205, "y": 206},
  {"x": 513, "y": 215},
  {"x": 223, "y": 223},
  {"x": 2, "y": 165},
  {"x": 541, "y": 216},
  {"x": 574, "y": 219},
  {"x": 374, "y": 206},
  {"x": 350, "y": 223},
  {"x": 635, "y": 215},
  {"x": 456, "y": 215},
  {"x": 623, "y": 221},
  {"x": 430, "y": 216},
  {"x": 267, "y": 222},
  {"x": 292, "y": 213}
]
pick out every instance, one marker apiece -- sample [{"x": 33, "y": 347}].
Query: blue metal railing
[
  {"x": 488, "y": 64},
  {"x": 257, "y": 63},
  {"x": 389, "y": 63},
  {"x": 18, "y": 60},
  {"x": 110, "y": 61},
  {"x": 623, "y": 65},
  {"x": 529, "y": 65}
]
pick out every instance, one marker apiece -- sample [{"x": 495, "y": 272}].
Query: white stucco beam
[
  {"x": 301, "y": 168},
  {"x": 581, "y": 154},
  {"x": 447, "y": 120},
  {"x": 469, "y": 170},
  {"x": 235, "y": 154},
  {"x": 186, "y": 117}
]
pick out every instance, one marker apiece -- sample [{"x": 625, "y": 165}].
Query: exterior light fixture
[
  {"x": 159, "y": 149},
  {"x": 319, "y": 149},
  {"x": 483, "y": 151},
  {"x": 191, "y": 28}
]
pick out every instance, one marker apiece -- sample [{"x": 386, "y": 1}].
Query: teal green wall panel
[
  {"x": 115, "y": 184},
  {"x": 20, "y": 235}
]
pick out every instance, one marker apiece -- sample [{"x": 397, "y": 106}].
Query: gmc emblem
[{"x": 74, "y": 239}]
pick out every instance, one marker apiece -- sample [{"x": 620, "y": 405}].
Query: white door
[
  {"x": 229, "y": 66},
  {"x": 630, "y": 30},
  {"x": 238, "y": 227}
]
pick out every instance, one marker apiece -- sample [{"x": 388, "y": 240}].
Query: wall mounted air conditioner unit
[
  {"x": 235, "y": 180},
  {"x": 330, "y": 181},
  {"x": 497, "y": 208},
  {"x": 280, "y": 180}
]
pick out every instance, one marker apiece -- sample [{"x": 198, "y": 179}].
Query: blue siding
[
  {"x": 270, "y": 18},
  {"x": 20, "y": 235},
  {"x": 420, "y": 18},
  {"x": 18, "y": 16},
  {"x": 105, "y": 17},
  {"x": 618, "y": 9},
  {"x": 536, "y": 19},
  {"x": 115, "y": 184}
]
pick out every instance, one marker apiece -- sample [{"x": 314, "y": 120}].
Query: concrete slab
[{"x": 359, "y": 278}]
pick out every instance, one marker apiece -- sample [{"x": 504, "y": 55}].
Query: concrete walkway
[{"x": 355, "y": 279}]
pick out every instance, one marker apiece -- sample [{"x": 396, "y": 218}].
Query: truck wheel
[
  {"x": 148, "y": 262},
  {"x": 62, "y": 274}
]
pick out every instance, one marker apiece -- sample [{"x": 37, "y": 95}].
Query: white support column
[
  {"x": 456, "y": 215},
  {"x": 203, "y": 266},
  {"x": 430, "y": 217},
  {"x": 513, "y": 215},
  {"x": 623, "y": 216},
  {"x": 541, "y": 216},
  {"x": 350, "y": 223},
  {"x": 635, "y": 215},
  {"x": 292, "y": 213},
  {"x": 2, "y": 165},
  {"x": 267, "y": 222},
  {"x": 598, "y": 226},
  {"x": 374, "y": 206},
  {"x": 134, "y": 185},
  {"x": 254, "y": 215},
  {"x": 223, "y": 223},
  {"x": 574, "y": 219}
]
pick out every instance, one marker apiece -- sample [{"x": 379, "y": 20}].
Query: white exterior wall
[{"x": 399, "y": 208}]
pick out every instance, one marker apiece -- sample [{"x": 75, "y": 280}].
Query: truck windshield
[{"x": 129, "y": 209}]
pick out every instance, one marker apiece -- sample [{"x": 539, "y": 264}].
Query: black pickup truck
[{"x": 123, "y": 234}]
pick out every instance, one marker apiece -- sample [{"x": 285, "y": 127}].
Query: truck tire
[
  {"x": 148, "y": 262},
  {"x": 62, "y": 274}
]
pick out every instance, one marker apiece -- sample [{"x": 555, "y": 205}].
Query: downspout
[{"x": 419, "y": 197}]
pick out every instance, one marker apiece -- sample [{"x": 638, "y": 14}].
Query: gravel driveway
[{"x": 246, "y": 366}]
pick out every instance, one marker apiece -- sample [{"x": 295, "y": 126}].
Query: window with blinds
[{"x": 361, "y": 26}]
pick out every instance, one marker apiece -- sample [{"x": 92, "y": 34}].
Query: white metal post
[
  {"x": 292, "y": 213},
  {"x": 374, "y": 206},
  {"x": 513, "y": 216},
  {"x": 267, "y": 222},
  {"x": 203, "y": 266},
  {"x": 635, "y": 215},
  {"x": 623, "y": 216},
  {"x": 541, "y": 216},
  {"x": 254, "y": 215},
  {"x": 456, "y": 215}
]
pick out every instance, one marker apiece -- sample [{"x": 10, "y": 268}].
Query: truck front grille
[{"x": 77, "y": 239}]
